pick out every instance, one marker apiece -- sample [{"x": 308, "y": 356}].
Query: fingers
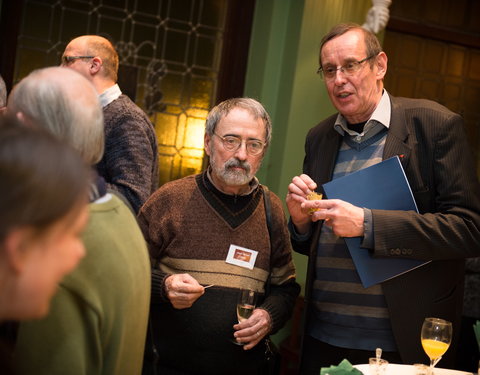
[
  {"x": 183, "y": 290},
  {"x": 297, "y": 194},
  {"x": 345, "y": 219},
  {"x": 254, "y": 329},
  {"x": 301, "y": 185}
]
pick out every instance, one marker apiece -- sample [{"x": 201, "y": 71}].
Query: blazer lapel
[
  {"x": 326, "y": 151},
  {"x": 397, "y": 136}
]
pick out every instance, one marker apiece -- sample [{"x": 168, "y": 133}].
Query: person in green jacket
[{"x": 98, "y": 319}]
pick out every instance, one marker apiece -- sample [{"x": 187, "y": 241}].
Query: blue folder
[{"x": 382, "y": 186}]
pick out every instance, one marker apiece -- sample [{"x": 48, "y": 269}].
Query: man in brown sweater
[{"x": 211, "y": 228}]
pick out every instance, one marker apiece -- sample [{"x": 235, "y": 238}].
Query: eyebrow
[{"x": 237, "y": 136}]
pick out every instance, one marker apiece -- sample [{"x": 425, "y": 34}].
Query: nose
[
  {"x": 241, "y": 153},
  {"x": 340, "y": 76}
]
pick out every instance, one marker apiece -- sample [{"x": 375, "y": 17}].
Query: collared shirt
[
  {"x": 380, "y": 118},
  {"x": 109, "y": 95}
]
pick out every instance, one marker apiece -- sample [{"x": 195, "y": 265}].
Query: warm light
[{"x": 180, "y": 142}]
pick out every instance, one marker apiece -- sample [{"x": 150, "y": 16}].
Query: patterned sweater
[
  {"x": 189, "y": 226},
  {"x": 130, "y": 161}
]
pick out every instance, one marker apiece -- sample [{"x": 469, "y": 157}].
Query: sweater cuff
[
  {"x": 158, "y": 286},
  {"x": 297, "y": 236},
  {"x": 276, "y": 316}
]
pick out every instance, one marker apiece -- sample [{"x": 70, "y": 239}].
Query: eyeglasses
[
  {"x": 350, "y": 68},
  {"x": 67, "y": 60},
  {"x": 232, "y": 143}
]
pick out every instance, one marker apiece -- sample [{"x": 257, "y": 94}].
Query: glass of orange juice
[{"x": 436, "y": 337}]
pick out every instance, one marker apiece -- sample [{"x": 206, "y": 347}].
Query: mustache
[{"x": 235, "y": 163}]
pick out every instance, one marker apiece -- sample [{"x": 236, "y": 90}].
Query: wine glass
[
  {"x": 245, "y": 306},
  {"x": 436, "y": 337}
]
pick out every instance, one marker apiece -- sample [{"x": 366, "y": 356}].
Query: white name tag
[{"x": 241, "y": 256}]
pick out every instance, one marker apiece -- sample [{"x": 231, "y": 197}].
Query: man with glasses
[
  {"x": 130, "y": 162},
  {"x": 344, "y": 319},
  {"x": 208, "y": 238}
]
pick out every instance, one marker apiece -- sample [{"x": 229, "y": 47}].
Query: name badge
[{"x": 241, "y": 256}]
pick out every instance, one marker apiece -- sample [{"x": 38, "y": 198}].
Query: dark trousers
[
  {"x": 317, "y": 354},
  {"x": 468, "y": 355}
]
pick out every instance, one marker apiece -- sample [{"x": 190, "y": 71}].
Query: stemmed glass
[
  {"x": 436, "y": 338},
  {"x": 247, "y": 299}
]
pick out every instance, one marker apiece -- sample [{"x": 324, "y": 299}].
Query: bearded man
[{"x": 211, "y": 229}]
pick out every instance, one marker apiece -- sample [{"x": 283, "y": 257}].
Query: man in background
[
  {"x": 344, "y": 319},
  {"x": 130, "y": 162}
]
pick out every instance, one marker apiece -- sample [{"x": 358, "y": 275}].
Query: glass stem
[{"x": 433, "y": 362}]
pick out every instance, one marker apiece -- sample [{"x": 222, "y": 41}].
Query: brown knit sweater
[{"x": 189, "y": 226}]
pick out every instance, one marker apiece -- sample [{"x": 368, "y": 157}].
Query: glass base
[{"x": 234, "y": 341}]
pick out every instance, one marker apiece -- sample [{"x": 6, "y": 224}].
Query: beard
[{"x": 229, "y": 174}]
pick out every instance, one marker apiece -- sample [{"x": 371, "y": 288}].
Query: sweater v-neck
[{"x": 234, "y": 209}]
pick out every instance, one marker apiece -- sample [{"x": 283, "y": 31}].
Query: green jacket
[{"x": 98, "y": 318}]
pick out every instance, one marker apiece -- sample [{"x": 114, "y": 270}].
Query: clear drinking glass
[
  {"x": 436, "y": 337},
  {"x": 247, "y": 299}
]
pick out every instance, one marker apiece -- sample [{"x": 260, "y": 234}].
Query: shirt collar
[
  {"x": 382, "y": 115},
  {"x": 109, "y": 95}
]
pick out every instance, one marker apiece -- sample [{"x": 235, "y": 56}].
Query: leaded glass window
[{"x": 170, "y": 48}]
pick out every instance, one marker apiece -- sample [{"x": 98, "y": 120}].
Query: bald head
[
  {"x": 66, "y": 104},
  {"x": 99, "y": 61}
]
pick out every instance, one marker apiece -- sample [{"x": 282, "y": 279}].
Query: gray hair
[
  {"x": 3, "y": 93},
  {"x": 43, "y": 179},
  {"x": 251, "y": 105},
  {"x": 65, "y": 103}
]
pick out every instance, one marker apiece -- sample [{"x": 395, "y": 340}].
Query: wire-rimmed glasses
[
  {"x": 233, "y": 143},
  {"x": 67, "y": 60},
  {"x": 328, "y": 72}
]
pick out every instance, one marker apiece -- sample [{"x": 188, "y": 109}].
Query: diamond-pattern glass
[{"x": 173, "y": 45}]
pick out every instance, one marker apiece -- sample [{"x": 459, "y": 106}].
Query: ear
[
  {"x": 381, "y": 62},
  {"x": 206, "y": 141},
  {"x": 14, "y": 249},
  {"x": 95, "y": 65},
  {"x": 25, "y": 120},
  {"x": 20, "y": 117}
]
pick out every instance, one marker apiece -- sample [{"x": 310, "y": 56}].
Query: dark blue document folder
[{"x": 382, "y": 186}]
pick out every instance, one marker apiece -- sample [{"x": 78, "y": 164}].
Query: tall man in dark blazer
[{"x": 344, "y": 319}]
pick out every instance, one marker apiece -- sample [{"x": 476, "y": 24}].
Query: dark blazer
[{"x": 434, "y": 152}]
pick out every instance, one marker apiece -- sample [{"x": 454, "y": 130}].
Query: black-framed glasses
[
  {"x": 329, "y": 72},
  {"x": 67, "y": 60},
  {"x": 232, "y": 143}
]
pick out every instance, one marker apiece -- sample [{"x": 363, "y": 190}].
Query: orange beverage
[{"x": 434, "y": 348}]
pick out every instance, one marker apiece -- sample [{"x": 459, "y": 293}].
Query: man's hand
[
  {"x": 296, "y": 196},
  {"x": 183, "y": 290},
  {"x": 254, "y": 329},
  {"x": 345, "y": 219}
]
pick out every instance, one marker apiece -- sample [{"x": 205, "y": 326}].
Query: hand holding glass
[
  {"x": 436, "y": 338},
  {"x": 245, "y": 306}
]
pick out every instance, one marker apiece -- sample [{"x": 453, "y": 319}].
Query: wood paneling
[{"x": 433, "y": 50}]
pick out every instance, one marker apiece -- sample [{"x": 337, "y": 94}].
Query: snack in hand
[{"x": 312, "y": 197}]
